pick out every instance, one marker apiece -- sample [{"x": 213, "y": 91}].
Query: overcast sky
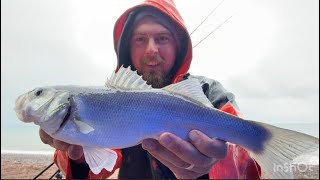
[{"x": 267, "y": 54}]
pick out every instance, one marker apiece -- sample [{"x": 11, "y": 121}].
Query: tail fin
[{"x": 276, "y": 161}]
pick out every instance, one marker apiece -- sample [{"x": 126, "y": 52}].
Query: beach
[{"x": 28, "y": 166}]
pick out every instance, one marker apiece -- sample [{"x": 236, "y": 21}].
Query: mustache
[{"x": 156, "y": 58}]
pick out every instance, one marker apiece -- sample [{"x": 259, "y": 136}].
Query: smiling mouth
[{"x": 152, "y": 63}]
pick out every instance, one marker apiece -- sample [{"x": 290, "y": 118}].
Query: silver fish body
[
  {"x": 122, "y": 119},
  {"x": 127, "y": 110}
]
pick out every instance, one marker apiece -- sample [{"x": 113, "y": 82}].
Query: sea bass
[{"x": 127, "y": 110}]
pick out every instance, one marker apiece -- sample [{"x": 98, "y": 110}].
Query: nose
[{"x": 152, "y": 48}]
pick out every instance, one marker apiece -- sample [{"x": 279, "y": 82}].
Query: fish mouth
[
  {"x": 22, "y": 109},
  {"x": 19, "y": 108}
]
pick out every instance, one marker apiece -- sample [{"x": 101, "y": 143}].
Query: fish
[{"x": 126, "y": 110}]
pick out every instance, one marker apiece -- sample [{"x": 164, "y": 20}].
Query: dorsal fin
[
  {"x": 126, "y": 79},
  {"x": 190, "y": 89}
]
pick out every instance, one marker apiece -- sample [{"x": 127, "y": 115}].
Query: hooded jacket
[
  {"x": 134, "y": 162},
  {"x": 123, "y": 28}
]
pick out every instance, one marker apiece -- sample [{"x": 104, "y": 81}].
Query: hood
[{"x": 123, "y": 28}]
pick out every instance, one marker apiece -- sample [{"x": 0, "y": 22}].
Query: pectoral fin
[
  {"x": 100, "y": 158},
  {"x": 83, "y": 127}
]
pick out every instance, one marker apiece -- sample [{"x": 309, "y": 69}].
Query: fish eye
[{"x": 38, "y": 92}]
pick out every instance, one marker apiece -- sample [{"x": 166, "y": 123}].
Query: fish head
[{"x": 46, "y": 107}]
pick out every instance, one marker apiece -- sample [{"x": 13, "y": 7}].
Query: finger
[
  {"x": 184, "y": 150},
  {"x": 213, "y": 148},
  {"x": 45, "y": 138},
  {"x": 180, "y": 173},
  {"x": 75, "y": 153},
  {"x": 157, "y": 150},
  {"x": 60, "y": 145}
]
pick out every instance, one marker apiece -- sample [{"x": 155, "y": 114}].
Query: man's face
[{"x": 153, "y": 52}]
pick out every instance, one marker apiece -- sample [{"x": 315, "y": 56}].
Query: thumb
[{"x": 75, "y": 153}]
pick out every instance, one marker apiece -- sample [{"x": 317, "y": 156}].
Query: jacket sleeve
[
  {"x": 63, "y": 162},
  {"x": 238, "y": 164}
]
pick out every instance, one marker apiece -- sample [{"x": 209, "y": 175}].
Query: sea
[{"x": 24, "y": 139}]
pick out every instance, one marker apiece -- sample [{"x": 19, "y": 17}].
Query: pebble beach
[{"x": 28, "y": 166}]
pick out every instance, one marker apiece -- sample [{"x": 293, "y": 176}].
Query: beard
[{"x": 156, "y": 79}]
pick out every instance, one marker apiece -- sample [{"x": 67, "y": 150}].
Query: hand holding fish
[
  {"x": 187, "y": 160},
  {"x": 75, "y": 152}
]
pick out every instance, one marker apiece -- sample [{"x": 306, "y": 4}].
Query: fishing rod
[
  {"x": 43, "y": 170},
  {"x": 206, "y": 17},
  {"x": 56, "y": 174},
  {"x": 205, "y": 20},
  {"x": 212, "y": 31}
]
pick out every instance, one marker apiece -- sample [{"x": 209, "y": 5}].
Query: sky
[{"x": 267, "y": 53}]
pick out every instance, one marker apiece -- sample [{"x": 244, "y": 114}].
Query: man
[{"x": 152, "y": 38}]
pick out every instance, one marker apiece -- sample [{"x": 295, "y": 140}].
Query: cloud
[
  {"x": 267, "y": 56},
  {"x": 284, "y": 87}
]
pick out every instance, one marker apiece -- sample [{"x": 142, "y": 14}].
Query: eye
[
  {"x": 162, "y": 39},
  {"x": 38, "y": 92},
  {"x": 138, "y": 40}
]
